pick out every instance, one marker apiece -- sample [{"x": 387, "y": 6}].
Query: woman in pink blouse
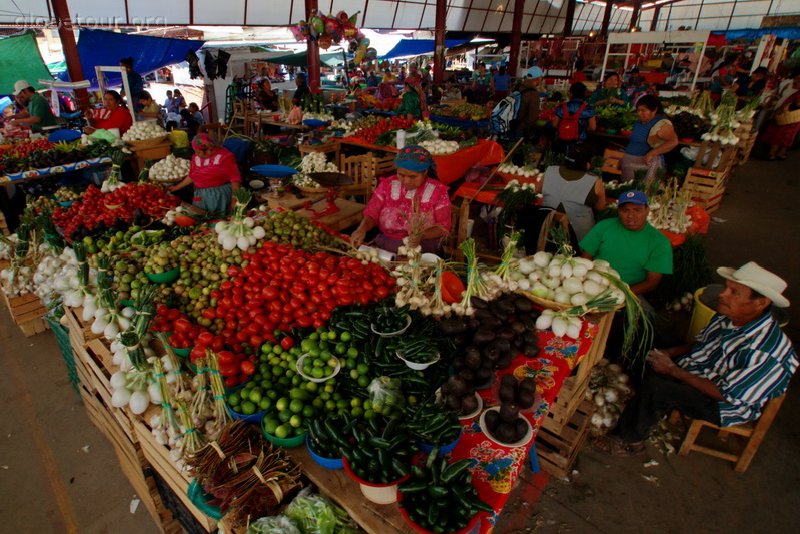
[{"x": 414, "y": 189}]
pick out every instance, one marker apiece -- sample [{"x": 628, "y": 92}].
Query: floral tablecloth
[{"x": 496, "y": 468}]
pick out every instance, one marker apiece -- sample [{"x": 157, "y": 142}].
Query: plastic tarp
[
  {"x": 753, "y": 34},
  {"x": 20, "y": 60},
  {"x": 300, "y": 59},
  {"x": 104, "y": 48},
  {"x": 418, "y": 47}
]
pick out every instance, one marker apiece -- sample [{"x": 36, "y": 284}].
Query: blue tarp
[
  {"x": 104, "y": 48},
  {"x": 755, "y": 33},
  {"x": 417, "y": 47}
]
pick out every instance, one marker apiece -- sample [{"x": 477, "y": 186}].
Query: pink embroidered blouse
[{"x": 391, "y": 205}]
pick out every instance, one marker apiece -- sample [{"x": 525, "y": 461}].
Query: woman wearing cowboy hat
[{"x": 739, "y": 361}]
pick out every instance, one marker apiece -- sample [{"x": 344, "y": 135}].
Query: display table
[
  {"x": 349, "y": 213},
  {"x": 33, "y": 174},
  {"x": 495, "y": 468},
  {"x": 288, "y": 201}
]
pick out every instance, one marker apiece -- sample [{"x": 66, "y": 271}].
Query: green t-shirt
[
  {"x": 631, "y": 254},
  {"x": 39, "y": 107}
]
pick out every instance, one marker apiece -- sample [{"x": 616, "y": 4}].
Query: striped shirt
[{"x": 749, "y": 364}]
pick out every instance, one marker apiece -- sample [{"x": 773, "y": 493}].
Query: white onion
[
  {"x": 120, "y": 398},
  {"x": 559, "y": 326},
  {"x": 139, "y": 401}
]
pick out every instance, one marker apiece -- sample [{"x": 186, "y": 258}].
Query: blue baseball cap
[
  {"x": 632, "y": 197},
  {"x": 535, "y": 72}
]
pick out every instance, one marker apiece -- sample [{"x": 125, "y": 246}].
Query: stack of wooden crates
[
  {"x": 565, "y": 429},
  {"x": 140, "y": 456},
  {"x": 708, "y": 178}
]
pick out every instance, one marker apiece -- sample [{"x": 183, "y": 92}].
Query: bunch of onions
[
  {"x": 242, "y": 231},
  {"x": 108, "y": 321},
  {"x": 609, "y": 390}
]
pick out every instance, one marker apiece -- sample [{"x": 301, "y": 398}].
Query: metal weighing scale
[{"x": 331, "y": 180}]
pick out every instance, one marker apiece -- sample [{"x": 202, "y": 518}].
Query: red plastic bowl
[
  {"x": 469, "y": 529},
  {"x": 360, "y": 480}
]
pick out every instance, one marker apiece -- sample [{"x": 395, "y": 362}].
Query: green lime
[
  {"x": 296, "y": 406},
  {"x": 333, "y": 362},
  {"x": 308, "y": 411},
  {"x": 270, "y": 424},
  {"x": 296, "y": 421},
  {"x": 363, "y": 381},
  {"x": 345, "y": 336},
  {"x": 317, "y": 403},
  {"x": 282, "y": 431},
  {"x": 358, "y": 411},
  {"x": 369, "y": 414},
  {"x": 317, "y": 372},
  {"x": 355, "y": 402},
  {"x": 284, "y": 416},
  {"x": 330, "y": 405},
  {"x": 255, "y": 395},
  {"x": 352, "y": 352},
  {"x": 265, "y": 404},
  {"x": 282, "y": 404},
  {"x": 247, "y": 408},
  {"x": 311, "y": 387},
  {"x": 362, "y": 369},
  {"x": 332, "y": 335},
  {"x": 234, "y": 399},
  {"x": 277, "y": 349},
  {"x": 353, "y": 374}
]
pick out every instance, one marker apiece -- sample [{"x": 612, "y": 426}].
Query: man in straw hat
[{"x": 737, "y": 363}]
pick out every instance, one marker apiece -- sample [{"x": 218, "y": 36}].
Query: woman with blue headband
[{"x": 413, "y": 192}]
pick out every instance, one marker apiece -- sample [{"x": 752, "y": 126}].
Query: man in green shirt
[
  {"x": 37, "y": 112},
  {"x": 634, "y": 248}
]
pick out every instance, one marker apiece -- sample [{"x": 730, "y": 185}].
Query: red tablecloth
[
  {"x": 488, "y": 194},
  {"x": 453, "y": 166},
  {"x": 496, "y": 468}
]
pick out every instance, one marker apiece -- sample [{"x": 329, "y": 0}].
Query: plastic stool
[{"x": 534, "y": 459}]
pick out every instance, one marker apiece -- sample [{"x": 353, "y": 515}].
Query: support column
[
  {"x": 654, "y": 22},
  {"x": 568, "y": 17},
  {"x": 61, "y": 13},
  {"x": 313, "y": 52},
  {"x": 516, "y": 39},
  {"x": 635, "y": 14},
  {"x": 606, "y": 19},
  {"x": 439, "y": 43}
]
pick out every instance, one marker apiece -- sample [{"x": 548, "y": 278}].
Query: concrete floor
[{"x": 53, "y": 482}]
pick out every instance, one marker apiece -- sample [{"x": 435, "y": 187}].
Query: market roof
[
  {"x": 539, "y": 16},
  {"x": 300, "y": 59}
]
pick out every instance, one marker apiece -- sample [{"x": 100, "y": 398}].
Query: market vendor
[
  {"x": 738, "y": 362},
  {"x": 780, "y": 137},
  {"x": 302, "y": 91},
  {"x": 266, "y": 98},
  {"x": 653, "y": 136},
  {"x": 571, "y": 185},
  {"x": 415, "y": 187},
  {"x": 148, "y": 108},
  {"x": 640, "y": 253},
  {"x": 611, "y": 94},
  {"x": 111, "y": 115},
  {"x": 36, "y": 113},
  {"x": 215, "y": 176},
  {"x": 412, "y": 102}
]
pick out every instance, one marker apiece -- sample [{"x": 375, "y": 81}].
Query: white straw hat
[
  {"x": 20, "y": 86},
  {"x": 756, "y": 277}
]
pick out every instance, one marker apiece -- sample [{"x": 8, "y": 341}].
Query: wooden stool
[
  {"x": 612, "y": 161},
  {"x": 553, "y": 218},
  {"x": 752, "y": 432}
]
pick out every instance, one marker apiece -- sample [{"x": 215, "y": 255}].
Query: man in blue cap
[{"x": 635, "y": 249}]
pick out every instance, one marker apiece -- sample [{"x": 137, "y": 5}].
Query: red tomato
[
  {"x": 287, "y": 343},
  {"x": 247, "y": 368}
]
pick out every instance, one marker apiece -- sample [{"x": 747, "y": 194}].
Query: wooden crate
[
  {"x": 708, "y": 153},
  {"x": 81, "y": 331},
  {"x": 746, "y": 149},
  {"x": 131, "y": 461},
  {"x": 558, "y": 451},
  {"x": 706, "y": 187},
  {"x": 96, "y": 360},
  {"x": 27, "y": 312},
  {"x": 158, "y": 457},
  {"x": 563, "y": 407}
]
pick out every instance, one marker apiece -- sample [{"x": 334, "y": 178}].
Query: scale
[
  {"x": 331, "y": 180},
  {"x": 276, "y": 175}
]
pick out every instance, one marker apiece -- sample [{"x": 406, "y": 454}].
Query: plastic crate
[
  {"x": 62, "y": 338},
  {"x": 179, "y": 511}
]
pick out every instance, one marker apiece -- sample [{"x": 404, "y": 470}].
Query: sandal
[{"x": 614, "y": 446}]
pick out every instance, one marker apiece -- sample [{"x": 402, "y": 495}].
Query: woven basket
[
  {"x": 147, "y": 143},
  {"x": 787, "y": 117},
  {"x": 545, "y": 303}
]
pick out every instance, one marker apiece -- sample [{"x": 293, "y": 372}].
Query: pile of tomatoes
[
  {"x": 283, "y": 288},
  {"x": 371, "y": 133},
  {"x": 24, "y": 149},
  {"x": 96, "y": 209},
  {"x": 234, "y": 365}
]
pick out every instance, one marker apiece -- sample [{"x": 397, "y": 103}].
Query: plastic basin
[
  {"x": 473, "y": 527},
  {"x": 377, "y": 493},
  {"x": 286, "y": 443},
  {"x": 427, "y": 448},
  {"x": 252, "y": 418},
  {"x": 327, "y": 463},
  {"x": 166, "y": 277},
  {"x": 200, "y": 499}
]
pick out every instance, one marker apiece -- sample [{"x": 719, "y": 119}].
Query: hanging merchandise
[
  {"x": 327, "y": 31},
  {"x": 210, "y": 64},
  {"x": 194, "y": 65},
  {"x": 222, "y": 63}
]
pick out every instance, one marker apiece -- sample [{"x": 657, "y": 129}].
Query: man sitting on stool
[{"x": 739, "y": 361}]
